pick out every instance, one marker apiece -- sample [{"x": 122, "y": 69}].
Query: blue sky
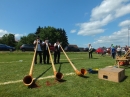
[{"x": 99, "y": 22}]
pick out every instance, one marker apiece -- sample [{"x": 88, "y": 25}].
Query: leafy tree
[
  {"x": 8, "y": 39},
  {"x": 18, "y": 44},
  {"x": 23, "y": 40},
  {"x": 53, "y": 34},
  {"x": 64, "y": 38},
  {"x": 1, "y": 41},
  {"x": 11, "y": 40},
  {"x": 38, "y": 30},
  {"x": 47, "y": 32},
  {"x": 30, "y": 38}
]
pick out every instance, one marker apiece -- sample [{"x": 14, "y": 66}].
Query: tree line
[{"x": 53, "y": 34}]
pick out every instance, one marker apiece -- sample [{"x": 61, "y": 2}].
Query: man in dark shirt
[
  {"x": 57, "y": 52},
  {"x": 46, "y": 55}
]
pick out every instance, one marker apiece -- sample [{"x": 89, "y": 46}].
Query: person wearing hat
[
  {"x": 46, "y": 55},
  {"x": 90, "y": 51},
  {"x": 57, "y": 50},
  {"x": 38, "y": 50}
]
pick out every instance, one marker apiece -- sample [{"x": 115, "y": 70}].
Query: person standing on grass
[
  {"x": 113, "y": 52},
  {"x": 39, "y": 49},
  {"x": 57, "y": 52},
  {"x": 126, "y": 49},
  {"x": 90, "y": 51},
  {"x": 119, "y": 51},
  {"x": 46, "y": 55},
  {"x": 111, "y": 49},
  {"x": 103, "y": 51}
]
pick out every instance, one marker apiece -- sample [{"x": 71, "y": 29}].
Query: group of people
[
  {"x": 113, "y": 51},
  {"x": 43, "y": 51},
  {"x": 117, "y": 50},
  {"x": 43, "y": 46}
]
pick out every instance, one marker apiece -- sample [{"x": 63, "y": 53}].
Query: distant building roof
[{"x": 73, "y": 45}]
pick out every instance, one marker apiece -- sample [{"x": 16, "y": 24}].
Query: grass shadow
[
  {"x": 34, "y": 85},
  {"x": 124, "y": 78},
  {"x": 59, "y": 68},
  {"x": 41, "y": 74},
  {"x": 84, "y": 76},
  {"x": 126, "y": 66},
  {"x": 63, "y": 62},
  {"x": 95, "y": 58},
  {"x": 61, "y": 80}
]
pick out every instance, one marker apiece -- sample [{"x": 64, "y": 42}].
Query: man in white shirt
[
  {"x": 90, "y": 51},
  {"x": 57, "y": 52},
  {"x": 119, "y": 51},
  {"x": 39, "y": 49}
]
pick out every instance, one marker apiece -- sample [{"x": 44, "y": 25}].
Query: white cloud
[
  {"x": 117, "y": 38},
  {"x": 125, "y": 23},
  {"x": 123, "y": 10},
  {"x": 18, "y": 36},
  {"x": 3, "y": 32},
  {"x": 72, "y": 31},
  {"x": 103, "y": 14},
  {"x": 107, "y": 7},
  {"x": 93, "y": 27}
]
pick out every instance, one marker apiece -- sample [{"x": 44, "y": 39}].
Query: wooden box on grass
[{"x": 112, "y": 74}]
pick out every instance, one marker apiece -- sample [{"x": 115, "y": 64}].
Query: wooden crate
[{"x": 111, "y": 74}]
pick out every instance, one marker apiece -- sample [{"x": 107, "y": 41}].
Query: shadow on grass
[
  {"x": 63, "y": 62},
  {"x": 126, "y": 66},
  {"x": 61, "y": 80},
  {"x": 34, "y": 85},
  {"x": 57, "y": 63},
  {"x": 95, "y": 58},
  {"x": 41, "y": 74},
  {"x": 59, "y": 67},
  {"x": 124, "y": 78},
  {"x": 84, "y": 76},
  {"x": 58, "y": 78}
]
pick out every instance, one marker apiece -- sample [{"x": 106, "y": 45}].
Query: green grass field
[{"x": 15, "y": 65}]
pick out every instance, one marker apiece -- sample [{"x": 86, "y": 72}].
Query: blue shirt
[{"x": 113, "y": 50}]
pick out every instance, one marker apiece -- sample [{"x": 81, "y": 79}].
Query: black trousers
[
  {"x": 40, "y": 57},
  {"x": 56, "y": 56},
  {"x": 90, "y": 55},
  {"x": 46, "y": 56},
  {"x": 113, "y": 55},
  {"x": 119, "y": 53}
]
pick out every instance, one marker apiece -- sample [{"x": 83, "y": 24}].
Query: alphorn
[
  {"x": 57, "y": 75},
  {"x": 28, "y": 80},
  {"x": 82, "y": 72}
]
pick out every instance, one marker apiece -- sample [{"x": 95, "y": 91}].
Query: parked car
[
  {"x": 101, "y": 50},
  {"x": 71, "y": 49},
  {"x": 30, "y": 47},
  {"x": 51, "y": 48},
  {"x": 86, "y": 49},
  {"x": 27, "y": 47},
  {"x": 4, "y": 47},
  {"x": 81, "y": 49}
]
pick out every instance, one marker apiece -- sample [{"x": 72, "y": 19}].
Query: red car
[
  {"x": 101, "y": 50},
  {"x": 51, "y": 48}
]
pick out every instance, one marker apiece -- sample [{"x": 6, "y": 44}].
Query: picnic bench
[{"x": 125, "y": 59}]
